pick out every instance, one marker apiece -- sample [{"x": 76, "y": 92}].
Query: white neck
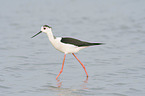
[{"x": 50, "y": 36}]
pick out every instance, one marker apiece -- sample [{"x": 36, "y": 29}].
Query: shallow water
[{"x": 28, "y": 67}]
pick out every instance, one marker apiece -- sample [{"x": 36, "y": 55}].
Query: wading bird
[{"x": 66, "y": 45}]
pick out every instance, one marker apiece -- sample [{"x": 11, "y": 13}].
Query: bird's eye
[{"x": 44, "y": 28}]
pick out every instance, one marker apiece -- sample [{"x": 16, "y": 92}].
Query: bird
[{"x": 67, "y": 45}]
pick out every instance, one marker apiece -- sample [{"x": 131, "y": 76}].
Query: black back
[{"x": 77, "y": 42}]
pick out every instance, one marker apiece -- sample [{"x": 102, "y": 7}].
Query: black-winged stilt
[{"x": 66, "y": 45}]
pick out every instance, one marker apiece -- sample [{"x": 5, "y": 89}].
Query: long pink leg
[
  {"x": 81, "y": 64},
  {"x": 62, "y": 66}
]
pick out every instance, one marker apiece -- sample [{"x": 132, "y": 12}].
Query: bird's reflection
[
  {"x": 84, "y": 86},
  {"x": 70, "y": 91},
  {"x": 59, "y": 83},
  {"x": 86, "y": 81}
]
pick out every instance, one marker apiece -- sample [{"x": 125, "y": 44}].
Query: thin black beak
[{"x": 36, "y": 34}]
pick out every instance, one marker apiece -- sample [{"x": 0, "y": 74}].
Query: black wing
[{"x": 77, "y": 42}]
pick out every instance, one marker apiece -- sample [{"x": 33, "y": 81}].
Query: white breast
[{"x": 65, "y": 48}]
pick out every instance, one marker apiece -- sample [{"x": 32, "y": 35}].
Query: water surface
[{"x": 28, "y": 67}]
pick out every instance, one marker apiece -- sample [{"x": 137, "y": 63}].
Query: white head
[{"x": 45, "y": 29}]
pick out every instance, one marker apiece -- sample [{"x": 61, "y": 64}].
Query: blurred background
[{"x": 28, "y": 67}]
